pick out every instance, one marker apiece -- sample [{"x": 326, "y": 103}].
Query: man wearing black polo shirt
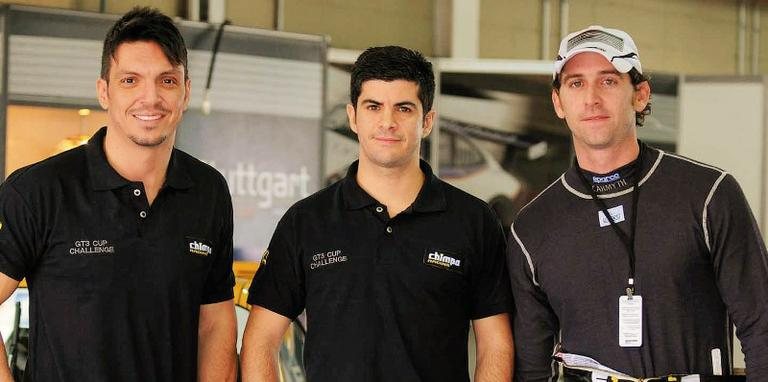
[
  {"x": 391, "y": 263},
  {"x": 125, "y": 242},
  {"x": 635, "y": 259}
]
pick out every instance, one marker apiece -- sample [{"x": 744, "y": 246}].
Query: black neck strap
[{"x": 628, "y": 239}]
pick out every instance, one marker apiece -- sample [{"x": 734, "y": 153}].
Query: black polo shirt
[
  {"x": 386, "y": 299},
  {"x": 115, "y": 285}
]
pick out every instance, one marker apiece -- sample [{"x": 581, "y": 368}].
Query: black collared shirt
[
  {"x": 115, "y": 284},
  {"x": 386, "y": 299}
]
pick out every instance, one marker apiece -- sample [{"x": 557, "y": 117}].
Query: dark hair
[
  {"x": 636, "y": 78},
  {"x": 391, "y": 63},
  {"x": 145, "y": 24}
]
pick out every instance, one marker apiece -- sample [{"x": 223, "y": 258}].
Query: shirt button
[
  {"x": 389, "y": 229},
  {"x": 379, "y": 209},
  {"x": 143, "y": 214},
  {"x": 137, "y": 192}
]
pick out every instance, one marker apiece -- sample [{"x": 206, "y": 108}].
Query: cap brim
[{"x": 621, "y": 64}]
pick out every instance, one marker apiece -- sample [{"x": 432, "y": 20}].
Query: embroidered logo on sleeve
[
  {"x": 264, "y": 257},
  {"x": 198, "y": 247},
  {"x": 442, "y": 259}
]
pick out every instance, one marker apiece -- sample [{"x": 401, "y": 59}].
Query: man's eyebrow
[
  {"x": 602, "y": 72},
  {"x": 406, "y": 103},
  {"x": 569, "y": 76},
  {"x": 368, "y": 100},
  {"x": 172, "y": 72},
  {"x": 614, "y": 71},
  {"x": 124, "y": 71}
]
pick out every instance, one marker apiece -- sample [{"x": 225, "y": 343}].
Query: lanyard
[{"x": 627, "y": 239}]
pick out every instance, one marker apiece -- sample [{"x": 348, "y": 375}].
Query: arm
[
  {"x": 495, "y": 348},
  {"x": 534, "y": 323},
  {"x": 20, "y": 244},
  {"x": 217, "y": 329},
  {"x": 7, "y": 286},
  {"x": 261, "y": 342},
  {"x": 216, "y": 342},
  {"x": 740, "y": 264}
]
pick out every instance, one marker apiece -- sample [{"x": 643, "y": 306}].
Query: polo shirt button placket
[
  {"x": 382, "y": 215},
  {"x": 139, "y": 201}
]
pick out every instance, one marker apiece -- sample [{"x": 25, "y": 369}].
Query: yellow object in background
[{"x": 244, "y": 271}]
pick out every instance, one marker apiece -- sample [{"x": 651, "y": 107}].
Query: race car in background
[{"x": 464, "y": 162}]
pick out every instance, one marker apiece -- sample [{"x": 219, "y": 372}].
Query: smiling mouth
[{"x": 148, "y": 117}]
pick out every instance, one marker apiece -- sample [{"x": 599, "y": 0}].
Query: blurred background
[{"x": 274, "y": 122}]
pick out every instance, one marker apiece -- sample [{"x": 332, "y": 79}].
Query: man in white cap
[{"x": 635, "y": 263}]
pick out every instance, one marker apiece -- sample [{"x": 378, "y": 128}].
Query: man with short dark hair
[
  {"x": 635, "y": 262},
  {"x": 125, "y": 242},
  {"x": 391, "y": 263}
]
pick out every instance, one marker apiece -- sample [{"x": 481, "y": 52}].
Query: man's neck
[
  {"x": 136, "y": 163},
  {"x": 601, "y": 161},
  {"x": 396, "y": 187}
]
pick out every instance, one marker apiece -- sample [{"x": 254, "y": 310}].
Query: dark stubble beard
[{"x": 147, "y": 142}]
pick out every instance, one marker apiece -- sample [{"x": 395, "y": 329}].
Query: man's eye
[
  {"x": 610, "y": 81},
  {"x": 404, "y": 109},
  {"x": 372, "y": 107},
  {"x": 574, "y": 84},
  {"x": 169, "y": 81},
  {"x": 128, "y": 80}
]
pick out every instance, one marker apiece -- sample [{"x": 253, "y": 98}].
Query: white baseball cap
[{"x": 615, "y": 45}]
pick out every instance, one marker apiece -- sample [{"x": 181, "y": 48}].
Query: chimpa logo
[
  {"x": 198, "y": 248},
  {"x": 439, "y": 258},
  {"x": 443, "y": 260}
]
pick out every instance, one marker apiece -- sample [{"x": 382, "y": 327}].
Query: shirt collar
[
  {"x": 177, "y": 176},
  {"x": 431, "y": 196},
  {"x": 104, "y": 177},
  {"x": 572, "y": 176}
]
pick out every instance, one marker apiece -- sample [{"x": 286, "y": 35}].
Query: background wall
[
  {"x": 692, "y": 37},
  {"x": 674, "y": 36},
  {"x": 32, "y": 137}
]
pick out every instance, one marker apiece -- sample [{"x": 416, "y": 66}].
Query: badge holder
[
  {"x": 630, "y": 304},
  {"x": 631, "y": 318}
]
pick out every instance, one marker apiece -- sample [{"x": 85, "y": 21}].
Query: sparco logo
[
  {"x": 198, "y": 248},
  {"x": 606, "y": 179}
]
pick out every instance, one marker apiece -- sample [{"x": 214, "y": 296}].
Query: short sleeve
[
  {"x": 221, "y": 279},
  {"x": 491, "y": 293},
  {"x": 278, "y": 284},
  {"x": 19, "y": 239}
]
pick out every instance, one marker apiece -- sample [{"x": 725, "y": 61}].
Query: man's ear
[
  {"x": 187, "y": 92},
  {"x": 102, "y": 92},
  {"x": 351, "y": 117},
  {"x": 556, "y": 103},
  {"x": 429, "y": 121},
  {"x": 642, "y": 96}
]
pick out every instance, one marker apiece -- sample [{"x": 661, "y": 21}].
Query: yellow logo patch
[{"x": 264, "y": 257}]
